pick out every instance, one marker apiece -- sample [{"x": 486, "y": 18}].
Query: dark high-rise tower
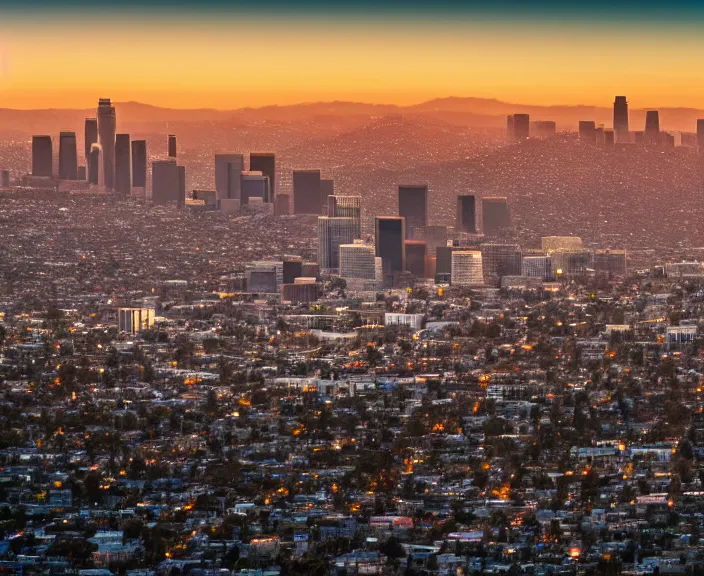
[
  {"x": 510, "y": 133},
  {"x": 347, "y": 207},
  {"x": 172, "y": 145},
  {"x": 466, "y": 214},
  {"x": 521, "y": 126},
  {"x": 123, "y": 164},
  {"x": 90, "y": 136},
  {"x": 621, "y": 118},
  {"x": 652, "y": 125},
  {"x": 413, "y": 206},
  {"x": 587, "y": 131},
  {"x": 95, "y": 165},
  {"x": 495, "y": 215},
  {"x": 42, "y": 156},
  {"x": 166, "y": 183},
  {"x": 327, "y": 188},
  {"x": 700, "y": 133},
  {"x": 106, "y": 138},
  {"x": 139, "y": 163},
  {"x": 265, "y": 163},
  {"x": 306, "y": 192},
  {"x": 68, "y": 156},
  {"x": 390, "y": 235}
]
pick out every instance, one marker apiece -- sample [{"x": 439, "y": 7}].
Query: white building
[
  {"x": 467, "y": 269},
  {"x": 134, "y": 320},
  {"x": 413, "y": 321},
  {"x": 358, "y": 261}
]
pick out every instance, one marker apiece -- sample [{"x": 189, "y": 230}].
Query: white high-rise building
[{"x": 467, "y": 269}]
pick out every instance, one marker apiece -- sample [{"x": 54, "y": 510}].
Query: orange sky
[{"x": 250, "y": 62}]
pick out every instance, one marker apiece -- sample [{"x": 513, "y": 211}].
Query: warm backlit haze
[{"x": 229, "y": 59}]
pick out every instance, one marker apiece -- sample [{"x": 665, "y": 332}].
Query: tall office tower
[
  {"x": 599, "y": 135},
  {"x": 293, "y": 268},
  {"x": 139, "y": 163},
  {"x": 332, "y": 232},
  {"x": 466, "y": 268},
  {"x": 181, "y": 200},
  {"x": 416, "y": 251},
  {"x": 499, "y": 260},
  {"x": 68, "y": 156},
  {"x": 609, "y": 138},
  {"x": 282, "y": 205},
  {"x": 443, "y": 264},
  {"x": 510, "y": 133},
  {"x": 357, "y": 261},
  {"x": 95, "y": 165},
  {"x": 521, "y": 126},
  {"x": 327, "y": 188},
  {"x": 550, "y": 244},
  {"x": 466, "y": 214},
  {"x": 390, "y": 234},
  {"x": 4, "y": 178},
  {"x": 234, "y": 179},
  {"x": 413, "y": 206},
  {"x": 537, "y": 267},
  {"x": 171, "y": 144},
  {"x": 222, "y": 173},
  {"x": 495, "y": 215},
  {"x": 700, "y": 132},
  {"x": 652, "y": 126},
  {"x": 621, "y": 119},
  {"x": 265, "y": 163},
  {"x": 42, "y": 156},
  {"x": 306, "y": 192},
  {"x": 123, "y": 164},
  {"x": 166, "y": 182},
  {"x": 90, "y": 136},
  {"x": 347, "y": 207},
  {"x": 255, "y": 185},
  {"x": 587, "y": 131},
  {"x": 106, "y": 137}
]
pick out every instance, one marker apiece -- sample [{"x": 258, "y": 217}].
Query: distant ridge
[{"x": 479, "y": 112}]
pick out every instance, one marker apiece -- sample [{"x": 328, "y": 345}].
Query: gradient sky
[{"x": 231, "y": 54}]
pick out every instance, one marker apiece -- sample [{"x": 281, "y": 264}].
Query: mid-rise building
[
  {"x": 499, "y": 260},
  {"x": 292, "y": 269},
  {"x": 572, "y": 263},
  {"x": 302, "y": 291},
  {"x": 537, "y": 267},
  {"x": 587, "y": 131},
  {"x": 347, "y": 207},
  {"x": 357, "y": 261},
  {"x": 466, "y": 268},
  {"x": 265, "y": 163},
  {"x": 134, "y": 320},
  {"x": 495, "y": 215},
  {"x": 521, "y": 126},
  {"x": 550, "y": 244},
  {"x": 255, "y": 185},
  {"x": 611, "y": 263},
  {"x": 416, "y": 251},
  {"x": 466, "y": 214},
  {"x": 166, "y": 182},
  {"x": 228, "y": 168},
  {"x": 306, "y": 192}
]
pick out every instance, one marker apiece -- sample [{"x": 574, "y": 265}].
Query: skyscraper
[
  {"x": 255, "y": 185},
  {"x": 123, "y": 164},
  {"x": 390, "y": 234},
  {"x": 413, "y": 206},
  {"x": 165, "y": 182},
  {"x": 357, "y": 261},
  {"x": 467, "y": 269},
  {"x": 652, "y": 126},
  {"x": 42, "y": 156},
  {"x": 90, "y": 136},
  {"x": 700, "y": 132},
  {"x": 510, "y": 130},
  {"x": 95, "y": 165},
  {"x": 466, "y": 214},
  {"x": 587, "y": 131},
  {"x": 139, "y": 163},
  {"x": 222, "y": 173},
  {"x": 544, "y": 128},
  {"x": 171, "y": 144},
  {"x": 106, "y": 138},
  {"x": 495, "y": 215},
  {"x": 265, "y": 162},
  {"x": 347, "y": 207},
  {"x": 306, "y": 192},
  {"x": 181, "y": 200},
  {"x": 235, "y": 167},
  {"x": 332, "y": 232},
  {"x": 521, "y": 126},
  {"x": 416, "y": 251},
  {"x": 68, "y": 156},
  {"x": 621, "y": 119}
]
